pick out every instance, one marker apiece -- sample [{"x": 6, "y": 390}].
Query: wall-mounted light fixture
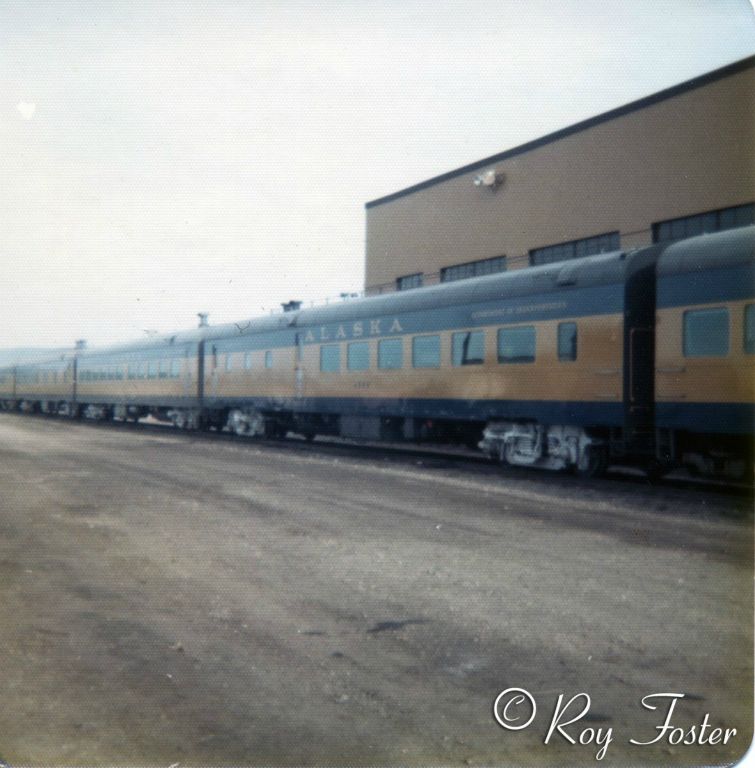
[{"x": 491, "y": 179}]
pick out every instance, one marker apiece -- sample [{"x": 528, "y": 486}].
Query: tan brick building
[{"x": 671, "y": 165}]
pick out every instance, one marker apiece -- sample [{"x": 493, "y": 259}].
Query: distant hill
[{"x": 28, "y": 354}]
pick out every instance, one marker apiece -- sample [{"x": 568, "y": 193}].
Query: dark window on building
[
  {"x": 358, "y": 356},
  {"x": 706, "y": 332},
  {"x": 390, "y": 354},
  {"x": 576, "y": 249},
  {"x": 330, "y": 358},
  {"x": 269, "y": 359},
  {"x": 749, "y": 329},
  {"x": 426, "y": 352},
  {"x": 702, "y": 223},
  {"x": 473, "y": 269},
  {"x": 468, "y": 348},
  {"x": 409, "y": 281},
  {"x": 517, "y": 344},
  {"x": 567, "y": 341}
]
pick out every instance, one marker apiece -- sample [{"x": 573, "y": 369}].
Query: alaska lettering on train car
[{"x": 352, "y": 331}]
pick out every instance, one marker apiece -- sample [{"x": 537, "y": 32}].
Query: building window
[
  {"x": 468, "y": 348},
  {"x": 473, "y": 269},
  {"x": 330, "y": 358},
  {"x": 576, "y": 249},
  {"x": 390, "y": 354},
  {"x": 567, "y": 341},
  {"x": 517, "y": 344},
  {"x": 706, "y": 332},
  {"x": 749, "y": 329},
  {"x": 269, "y": 359},
  {"x": 426, "y": 351},
  {"x": 247, "y": 361},
  {"x": 358, "y": 356},
  {"x": 409, "y": 281},
  {"x": 701, "y": 223}
]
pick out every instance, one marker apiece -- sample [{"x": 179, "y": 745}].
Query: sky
[{"x": 161, "y": 159}]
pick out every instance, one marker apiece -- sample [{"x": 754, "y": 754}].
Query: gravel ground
[{"x": 169, "y": 599}]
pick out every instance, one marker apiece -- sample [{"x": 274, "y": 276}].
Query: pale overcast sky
[{"x": 157, "y": 159}]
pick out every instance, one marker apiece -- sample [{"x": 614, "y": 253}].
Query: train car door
[{"x": 639, "y": 352}]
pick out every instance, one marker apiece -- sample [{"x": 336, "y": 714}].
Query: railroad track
[{"x": 435, "y": 458}]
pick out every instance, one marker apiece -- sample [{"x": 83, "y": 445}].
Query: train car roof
[
  {"x": 697, "y": 253},
  {"x": 593, "y": 270},
  {"x": 718, "y": 249}
]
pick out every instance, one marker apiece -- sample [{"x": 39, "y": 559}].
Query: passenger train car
[{"x": 643, "y": 357}]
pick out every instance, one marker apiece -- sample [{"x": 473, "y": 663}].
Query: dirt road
[{"x": 168, "y": 599}]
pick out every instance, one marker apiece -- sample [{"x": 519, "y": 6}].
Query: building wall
[{"x": 686, "y": 154}]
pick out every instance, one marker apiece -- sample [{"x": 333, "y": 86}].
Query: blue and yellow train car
[
  {"x": 131, "y": 380},
  {"x": 536, "y": 358},
  {"x": 705, "y": 353},
  {"x": 47, "y": 386}
]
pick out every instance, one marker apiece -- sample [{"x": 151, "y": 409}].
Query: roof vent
[
  {"x": 567, "y": 275},
  {"x": 203, "y": 319},
  {"x": 291, "y": 306}
]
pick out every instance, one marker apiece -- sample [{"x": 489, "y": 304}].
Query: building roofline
[{"x": 634, "y": 106}]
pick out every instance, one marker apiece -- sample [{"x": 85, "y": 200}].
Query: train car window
[
  {"x": 247, "y": 361},
  {"x": 229, "y": 361},
  {"x": 749, "y": 329},
  {"x": 706, "y": 332},
  {"x": 131, "y": 372},
  {"x": 175, "y": 367},
  {"x": 163, "y": 369},
  {"x": 567, "y": 341},
  {"x": 516, "y": 344},
  {"x": 330, "y": 358},
  {"x": 358, "y": 356},
  {"x": 269, "y": 359},
  {"x": 426, "y": 352},
  {"x": 390, "y": 354},
  {"x": 152, "y": 369},
  {"x": 468, "y": 348}
]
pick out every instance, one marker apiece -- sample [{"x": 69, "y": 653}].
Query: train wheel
[
  {"x": 593, "y": 462},
  {"x": 656, "y": 470}
]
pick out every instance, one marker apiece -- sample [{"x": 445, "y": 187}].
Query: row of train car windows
[
  {"x": 153, "y": 369},
  {"x": 706, "y": 332},
  {"x": 515, "y": 345},
  {"x": 268, "y": 359},
  {"x": 40, "y": 377}
]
